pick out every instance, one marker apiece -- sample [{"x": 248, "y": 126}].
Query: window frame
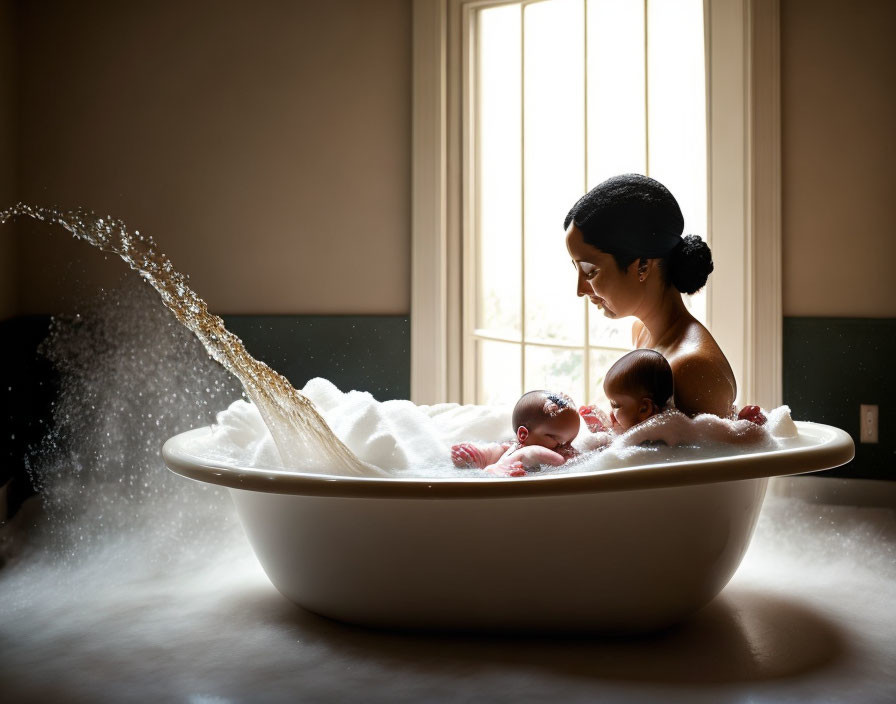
[{"x": 743, "y": 194}]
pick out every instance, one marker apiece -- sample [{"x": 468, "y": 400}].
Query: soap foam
[{"x": 410, "y": 441}]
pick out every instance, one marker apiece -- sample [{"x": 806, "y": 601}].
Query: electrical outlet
[{"x": 868, "y": 423}]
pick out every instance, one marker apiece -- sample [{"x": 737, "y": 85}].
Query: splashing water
[
  {"x": 97, "y": 467},
  {"x": 303, "y": 438}
]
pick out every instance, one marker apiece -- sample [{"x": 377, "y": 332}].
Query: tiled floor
[{"x": 810, "y": 617}]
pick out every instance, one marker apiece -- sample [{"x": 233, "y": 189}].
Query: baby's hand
[
  {"x": 566, "y": 451},
  {"x": 753, "y": 414},
  {"x": 514, "y": 469},
  {"x": 466, "y": 455},
  {"x": 596, "y": 420}
]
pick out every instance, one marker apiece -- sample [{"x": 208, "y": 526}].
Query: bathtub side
[{"x": 623, "y": 561}]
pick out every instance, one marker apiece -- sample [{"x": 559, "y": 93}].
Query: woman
[{"x": 624, "y": 237}]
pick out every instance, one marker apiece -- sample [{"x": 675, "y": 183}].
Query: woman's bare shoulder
[{"x": 704, "y": 382}]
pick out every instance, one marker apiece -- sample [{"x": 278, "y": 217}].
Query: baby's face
[
  {"x": 627, "y": 410},
  {"x": 554, "y": 433}
]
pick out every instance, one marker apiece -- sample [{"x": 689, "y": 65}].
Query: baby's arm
[
  {"x": 674, "y": 428},
  {"x": 536, "y": 455},
  {"x": 469, "y": 454},
  {"x": 596, "y": 420},
  {"x": 741, "y": 432},
  {"x": 596, "y": 440},
  {"x": 516, "y": 462},
  {"x": 669, "y": 427}
]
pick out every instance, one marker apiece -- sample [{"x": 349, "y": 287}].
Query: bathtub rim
[{"x": 832, "y": 447}]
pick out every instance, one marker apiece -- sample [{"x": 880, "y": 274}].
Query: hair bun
[{"x": 690, "y": 264}]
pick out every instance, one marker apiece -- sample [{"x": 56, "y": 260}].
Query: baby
[
  {"x": 545, "y": 422},
  {"x": 639, "y": 385}
]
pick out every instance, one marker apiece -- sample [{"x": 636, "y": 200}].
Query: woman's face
[{"x": 617, "y": 293}]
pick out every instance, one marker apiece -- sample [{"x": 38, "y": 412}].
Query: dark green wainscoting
[
  {"x": 831, "y": 367},
  {"x": 363, "y": 352}
]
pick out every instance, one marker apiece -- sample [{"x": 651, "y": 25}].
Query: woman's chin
[{"x": 602, "y": 307}]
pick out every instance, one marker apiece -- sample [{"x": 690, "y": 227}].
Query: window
[
  {"x": 462, "y": 296},
  {"x": 562, "y": 95}
]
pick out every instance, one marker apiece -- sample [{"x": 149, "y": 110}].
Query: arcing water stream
[{"x": 303, "y": 437}]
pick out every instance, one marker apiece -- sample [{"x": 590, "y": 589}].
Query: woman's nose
[{"x": 583, "y": 288}]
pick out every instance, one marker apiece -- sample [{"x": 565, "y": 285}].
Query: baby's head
[
  {"x": 545, "y": 418},
  {"x": 638, "y": 386}
]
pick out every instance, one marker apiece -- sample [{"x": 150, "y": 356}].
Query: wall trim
[
  {"x": 429, "y": 168},
  {"x": 744, "y": 174},
  {"x": 766, "y": 308},
  {"x": 727, "y": 178}
]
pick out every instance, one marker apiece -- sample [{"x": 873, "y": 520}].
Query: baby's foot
[
  {"x": 466, "y": 455},
  {"x": 595, "y": 419}
]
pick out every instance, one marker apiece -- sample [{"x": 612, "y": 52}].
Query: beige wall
[
  {"x": 265, "y": 145},
  {"x": 838, "y": 82},
  {"x": 8, "y": 298}
]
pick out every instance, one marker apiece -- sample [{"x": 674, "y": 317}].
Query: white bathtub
[{"x": 621, "y": 550}]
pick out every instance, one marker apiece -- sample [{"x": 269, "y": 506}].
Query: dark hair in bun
[
  {"x": 688, "y": 265},
  {"x": 635, "y": 217}
]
